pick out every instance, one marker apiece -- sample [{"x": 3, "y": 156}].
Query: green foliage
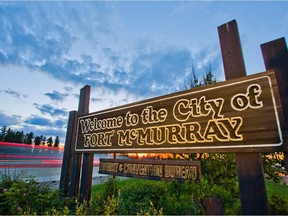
[
  {"x": 81, "y": 208},
  {"x": 138, "y": 196},
  {"x": 111, "y": 187},
  {"x": 278, "y": 205},
  {"x": 151, "y": 211},
  {"x": 29, "y": 197},
  {"x": 193, "y": 81},
  {"x": 185, "y": 198},
  {"x": 111, "y": 205},
  {"x": 106, "y": 202},
  {"x": 130, "y": 197},
  {"x": 273, "y": 165}
]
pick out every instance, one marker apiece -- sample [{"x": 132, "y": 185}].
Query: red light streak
[{"x": 30, "y": 146}]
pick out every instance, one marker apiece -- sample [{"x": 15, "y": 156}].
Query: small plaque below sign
[{"x": 152, "y": 169}]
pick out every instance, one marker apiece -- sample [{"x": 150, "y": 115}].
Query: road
[{"x": 42, "y": 163}]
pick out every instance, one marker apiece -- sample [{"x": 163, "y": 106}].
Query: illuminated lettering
[
  {"x": 250, "y": 99},
  {"x": 87, "y": 125},
  {"x": 215, "y": 130},
  {"x": 185, "y": 109},
  {"x": 98, "y": 139},
  {"x": 150, "y": 116}
]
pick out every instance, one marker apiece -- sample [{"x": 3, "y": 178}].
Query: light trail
[{"x": 24, "y": 156}]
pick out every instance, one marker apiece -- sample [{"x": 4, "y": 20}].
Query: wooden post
[
  {"x": 249, "y": 165},
  {"x": 213, "y": 206},
  {"x": 87, "y": 167},
  {"x": 68, "y": 152},
  {"x": 86, "y": 179},
  {"x": 275, "y": 55},
  {"x": 83, "y": 108}
]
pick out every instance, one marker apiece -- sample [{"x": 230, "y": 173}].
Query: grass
[
  {"x": 99, "y": 188},
  {"x": 277, "y": 194},
  {"x": 271, "y": 187},
  {"x": 276, "y": 189}
]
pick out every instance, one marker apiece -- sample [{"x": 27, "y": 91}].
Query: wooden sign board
[
  {"x": 241, "y": 113},
  {"x": 152, "y": 169}
]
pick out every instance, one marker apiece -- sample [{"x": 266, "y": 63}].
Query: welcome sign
[{"x": 238, "y": 113}]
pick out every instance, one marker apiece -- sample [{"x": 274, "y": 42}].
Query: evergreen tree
[
  {"x": 43, "y": 140},
  {"x": 193, "y": 81},
  {"x": 18, "y": 137},
  {"x": 9, "y": 136},
  {"x": 57, "y": 141},
  {"x": 28, "y": 138},
  {"x": 208, "y": 78},
  {"x": 37, "y": 140},
  {"x": 50, "y": 141},
  {"x": 3, "y": 133}
]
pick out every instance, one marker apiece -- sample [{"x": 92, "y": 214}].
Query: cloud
[
  {"x": 158, "y": 69},
  {"x": 36, "y": 124},
  {"x": 14, "y": 93},
  {"x": 97, "y": 100},
  {"x": 89, "y": 50},
  {"x": 38, "y": 120},
  {"x": 61, "y": 123},
  {"x": 68, "y": 89},
  {"x": 57, "y": 96},
  {"x": 7, "y": 120},
  {"x": 51, "y": 110},
  {"x": 45, "y": 131}
]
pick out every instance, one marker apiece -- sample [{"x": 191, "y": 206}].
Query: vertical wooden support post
[
  {"x": 213, "y": 206},
  {"x": 86, "y": 179},
  {"x": 68, "y": 153},
  {"x": 275, "y": 55},
  {"x": 249, "y": 165},
  {"x": 87, "y": 167},
  {"x": 83, "y": 108}
]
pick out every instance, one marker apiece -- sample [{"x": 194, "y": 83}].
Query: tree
[
  {"x": 43, "y": 140},
  {"x": 9, "y": 136},
  {"x": 57, "y": 141},
  {"x": 3, "y": 133},
  {"x": 50, "y": 141},
  {"x": 208, "y": 78},
  {"x": 193, "y": 81},
  {"x": 37, "y": 140},
  {"x": 18, "y": 137},
  {"x": 29, "y": 138}
]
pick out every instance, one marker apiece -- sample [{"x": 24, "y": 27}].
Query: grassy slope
[
  {"x": 271, "y": 187},
  {"x": 276, "y": 189}
]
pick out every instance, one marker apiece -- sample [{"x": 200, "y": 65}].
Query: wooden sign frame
[{"x": 237, "y": 114}]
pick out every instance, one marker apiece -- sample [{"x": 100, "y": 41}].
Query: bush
[
  {"x": 18, "y": 197},
  {"x": 278, "y": 205},
  {"x": 138, "y": 198}
]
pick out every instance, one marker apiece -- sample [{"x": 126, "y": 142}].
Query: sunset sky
[{"x": 126, "y": 50}]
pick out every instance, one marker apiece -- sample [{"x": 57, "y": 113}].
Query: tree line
[{"x": 9, "y": 135}]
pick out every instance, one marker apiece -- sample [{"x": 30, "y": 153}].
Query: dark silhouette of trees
[
  {"x": 9, "y": 135},
  {"x": 57, "y": 141},
  {"x": 50, "y": 141}
]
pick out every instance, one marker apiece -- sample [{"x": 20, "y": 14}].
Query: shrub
[
  {"x": 138, "y": 197},
  {"x": 29, "y": 197},
  {"x": 278, "y": 205}
]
